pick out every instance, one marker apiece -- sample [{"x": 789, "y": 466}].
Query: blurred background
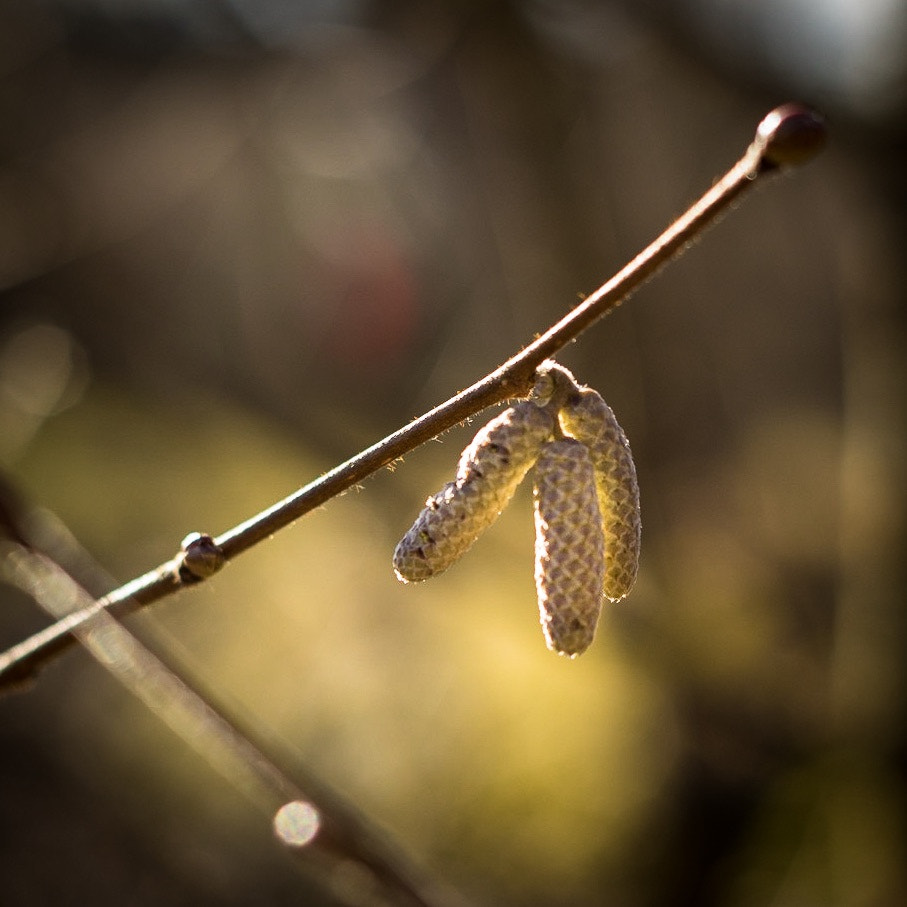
[{"x": 239, "y": 241}]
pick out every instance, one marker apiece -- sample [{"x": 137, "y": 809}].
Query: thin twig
[
  {"x": 789, "y": 135},
  {"x": 335, "y": 832}
]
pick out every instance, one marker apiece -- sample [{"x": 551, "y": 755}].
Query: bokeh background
[{"x": 239, "y": 241}]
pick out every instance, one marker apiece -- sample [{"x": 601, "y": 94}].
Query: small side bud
[
  {"x": 569, "y": 546},
  {"x": 200, "y": 557},
  {"x": 586, "y": 417},
  {"x": 489, "y": 471},
  {"x": 553, "y": 384}
]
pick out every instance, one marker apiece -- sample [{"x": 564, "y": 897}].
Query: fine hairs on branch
[{"x": 788, "y": 136}]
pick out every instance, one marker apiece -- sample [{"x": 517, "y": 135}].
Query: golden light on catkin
[
  {"x": 586, "y": 417},
  {"x": 569, "y": 546},
  {"x": 489, "y": 471},
  {"x": 587, "y": 515}
]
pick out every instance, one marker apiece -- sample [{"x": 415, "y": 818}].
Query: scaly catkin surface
[
  {"x": 586, "y": 417},
  {"x": 569, "y": 546},
  {"x": 489, "y": 471}
]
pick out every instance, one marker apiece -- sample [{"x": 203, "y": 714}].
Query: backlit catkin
[
  {"x": 489, "y": 471},
  {"x": 586, "y": 417},
  {"x": 569, "y": 546}
]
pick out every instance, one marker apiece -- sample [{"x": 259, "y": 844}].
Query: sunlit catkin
[
  {"x": 569, "y": 546},
  {"x": 586, "y": 417},
  {"x": 489, "y": 471}
]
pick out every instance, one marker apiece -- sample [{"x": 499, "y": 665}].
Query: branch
[
  {"x": 788, "y": 136},
  {"x": 310, "y": 820}
]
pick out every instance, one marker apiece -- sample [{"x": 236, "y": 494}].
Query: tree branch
[
  {"x": 788, "y": 136},
  {"x": 333, "y": 831}
]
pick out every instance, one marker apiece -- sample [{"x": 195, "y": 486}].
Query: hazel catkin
[
  {"x": 586, "y": 417},
  {"x": 569, "y": 546},
  {"x": 488, "y": 473}
]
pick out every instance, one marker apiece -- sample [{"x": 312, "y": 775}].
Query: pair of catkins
[{"x": 586, "y": 501}]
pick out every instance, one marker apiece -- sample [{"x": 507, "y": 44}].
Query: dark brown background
[{"x": 239, "y": 243}]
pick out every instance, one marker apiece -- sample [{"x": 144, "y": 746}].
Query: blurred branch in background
[
  {"x": 334, "y": 839},
  {"x": 275, "y": 230}
]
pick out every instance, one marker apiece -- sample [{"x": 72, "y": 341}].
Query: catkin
[
  {"x": 489, "y": 471},
  {"x": 586, "y": 417},
  {"x": 569, "y": 546}
]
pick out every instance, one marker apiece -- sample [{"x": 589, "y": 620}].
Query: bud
[
  {"x": 569, "y": 546},
  {"x": 488, "y": 473},
  {"x": 586, "y": 417}
]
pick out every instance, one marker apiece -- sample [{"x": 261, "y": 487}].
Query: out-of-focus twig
[{"x": 330, "y": 831}]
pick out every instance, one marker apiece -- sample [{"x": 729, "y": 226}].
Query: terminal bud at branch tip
[{"x": 791, "y": 134}]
